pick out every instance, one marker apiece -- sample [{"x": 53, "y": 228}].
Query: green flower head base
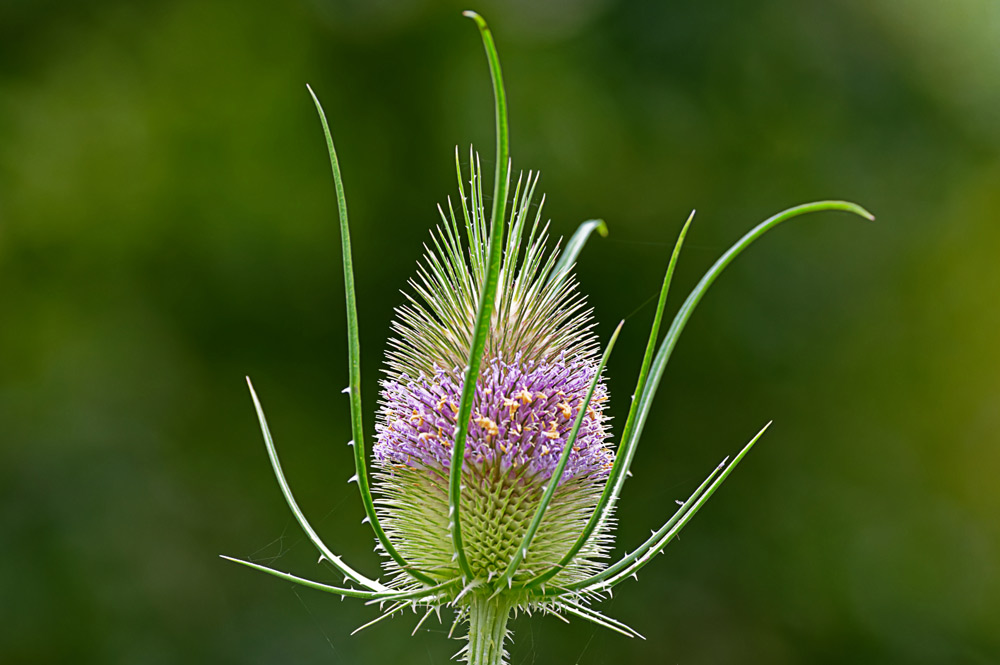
[{"x": 495, "y": 481}]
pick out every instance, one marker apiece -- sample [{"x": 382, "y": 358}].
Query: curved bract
[
  {"x": 495, "y": 481},
  {"x": 488, "y": 294}
]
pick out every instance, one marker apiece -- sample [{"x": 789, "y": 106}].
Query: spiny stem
[{"x": 487, "y": 631}]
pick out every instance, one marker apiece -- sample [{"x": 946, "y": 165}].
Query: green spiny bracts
[
  {"x": 498, "y": 511},
  {"x": 538, "y": 313},
  {"x": 496, "y": 483}
]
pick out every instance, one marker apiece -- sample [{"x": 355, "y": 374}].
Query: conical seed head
[{"x": 539, "y": 363}]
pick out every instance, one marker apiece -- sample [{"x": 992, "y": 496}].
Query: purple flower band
[{"x": 522, "y": 416}]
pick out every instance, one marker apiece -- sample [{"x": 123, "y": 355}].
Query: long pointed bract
[
  {"x": 642, "y": 402},
  {"x": 550, "y": 490},
  {"x": 272, "y": 454},
  {"x": 645, "y": 398},
  {"x": 569, "y": 254},
  {"x": 354, "y": 355},
  {"x": 486, "y": 299},
  {"x": 623, "y": 459},
  {"x": 627, "y": 453},
  {"x": 301, "y": 581},
  {"x": 631, "y": 563}
]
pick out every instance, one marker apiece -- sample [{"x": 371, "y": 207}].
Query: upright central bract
[{"x": 540, "y": 359}]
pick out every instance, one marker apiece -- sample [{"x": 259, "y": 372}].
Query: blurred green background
[{"x": 168, "y": 225}]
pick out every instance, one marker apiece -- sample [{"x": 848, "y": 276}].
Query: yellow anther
[
  {"x": 525, "y": 396},
  {"x": 511, "y": 404},
  {"x": 565, "y": 409},
  {"x": 488, "y": 425}
]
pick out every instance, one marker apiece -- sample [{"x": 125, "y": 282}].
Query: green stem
[{"x": 487, "y": 630}]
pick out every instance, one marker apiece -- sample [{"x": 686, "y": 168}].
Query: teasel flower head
[
  {"x": 495, "y": 480},
  {"x": 539, "y": 394}
]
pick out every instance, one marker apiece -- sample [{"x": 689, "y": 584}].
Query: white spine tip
[
  {"x": 366, "y": 520},
  {"x": 353, "y": 479},
  {"x": 346, "y": 390}
]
